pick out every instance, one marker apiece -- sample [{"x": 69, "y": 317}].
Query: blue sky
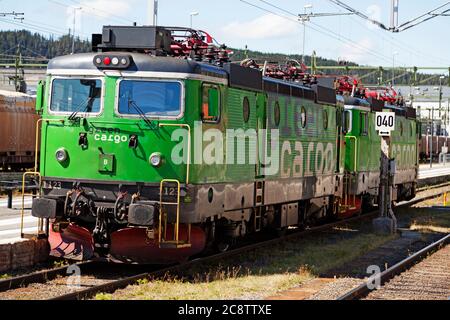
[{"x": 238, "y": 24}]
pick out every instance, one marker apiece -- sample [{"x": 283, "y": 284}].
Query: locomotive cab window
[
  {"x": 325, "y": 119},
  {"x": 364, "y": 121},
  {"x": 158, "y": 99},
  {"x": 210, "y": 104},
  {"x": 277, "y": 114},
  {"x": 347, "y": 121},
  {"x": 76, "y": 95},
  {"x": 246, "y": 109},
  {"x": 303, "y": 117}
]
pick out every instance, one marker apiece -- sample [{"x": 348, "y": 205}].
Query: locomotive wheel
[{"x": 223, "y": 246}]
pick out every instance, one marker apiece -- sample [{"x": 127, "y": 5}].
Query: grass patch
[
  {"x": 259, "y": 273},
  {"x": 103, "y": 296},
  {"x": 4, "y": 276},
  {"x": 59, "y": 263}
]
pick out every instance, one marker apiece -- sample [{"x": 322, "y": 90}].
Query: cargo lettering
[
  {"x": 262, "y": 148},
  {"x": 319, "y": 160},
  {"x": 110, "y": 138}
]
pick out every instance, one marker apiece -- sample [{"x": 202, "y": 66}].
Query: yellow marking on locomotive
[
  {"x": 34, "y": 173},
  {"x": 175, "y": 243}
]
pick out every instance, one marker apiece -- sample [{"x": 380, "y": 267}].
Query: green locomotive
[
  {"x": 155, "y": 147},
  {"x": 362, "y": 163}
]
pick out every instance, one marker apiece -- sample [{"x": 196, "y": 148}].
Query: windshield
[
  {"x": 76, "y": 95},
  {"x": 154, "y": 98}
]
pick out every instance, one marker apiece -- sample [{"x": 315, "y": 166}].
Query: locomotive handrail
[
  {"x": 177, "y": 224},
  {"x": 188, "y": 127},
  {"x": 37, "y": 139},
  {"x": 33, "y": 173},
  {"x": 37, "y": 145},
  {"x": 36, "y": 174}
]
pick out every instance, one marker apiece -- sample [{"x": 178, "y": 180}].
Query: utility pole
[
  {"x": 448, "y": 117},
  {"x": 306, "y": 17},
  {"x": 193, "y": 14},
  {"x": 447, "y": 124},
  {"x": 393, "y": 67},
  {"x": 394, "y": 14},
  {"x": 74, "y": 25},
  {"x": 440, "y": 94},
  {"x": 19, "y": 79},
  {"x": 17, "y": 65},
  {"x": 432, "y": 135},
  {"x": 153, "y": 11},
  {"x": 440, "y": 103},
  {"x": 386, "y": 223}
]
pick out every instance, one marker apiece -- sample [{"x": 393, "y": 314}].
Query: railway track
[
  {"x": 419, "y": 276},
  {"x": 94, "y": 279}
]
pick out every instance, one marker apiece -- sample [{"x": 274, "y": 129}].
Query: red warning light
[{"x": 112, "y": 62}]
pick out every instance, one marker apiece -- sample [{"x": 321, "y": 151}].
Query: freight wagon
[{"x": 18, "y": 121}]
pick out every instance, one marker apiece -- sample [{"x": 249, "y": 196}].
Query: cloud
[
  {"x": 106, "y": 8},
  {"x": 98, "y": 10},
  {"x": 358, "y": 52},
  {"x": 268, "y": 26}
]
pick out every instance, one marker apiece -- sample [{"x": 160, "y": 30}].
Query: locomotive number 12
[{"x": 170, "y": 191}]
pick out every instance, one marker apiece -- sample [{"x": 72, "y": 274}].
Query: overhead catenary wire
[
  {"x": 10, "y": 56},
  {"x": 325, "y": 31},
  {"x": 309, "y": 27},
  {"x": 398, "y": 43},
  {"x": 340, "y": 37},
  {"x": 31, "y": 27},
  {"x": 92, "y": 10},
  {"x": 405, "y": 26},
  {"x": 412, "y": 23},
  {"x": 398, "y": 76},
  {"x": 359, "y": 14},
  {"x": 118, "y": 17},
  {"x": 429, "y": 78},
  {"x": 337, "y": 36}
]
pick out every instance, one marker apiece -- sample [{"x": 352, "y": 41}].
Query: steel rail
[
  {"x": 38, "y": 277},
  {"x": 122, "y": 283},
  {"x": 48, "y": 275},
  {"x": 363, "y": 290}
]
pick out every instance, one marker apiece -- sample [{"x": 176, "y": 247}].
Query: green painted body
[
  {"x": 403, "y": 146},
  {"x": 108, "y": 136}
]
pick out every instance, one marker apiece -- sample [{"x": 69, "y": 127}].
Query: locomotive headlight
[
  {"x": 115, "y": 61},
  {"x": 156, "y": 159},
  {"x": 61, "y": 155}
]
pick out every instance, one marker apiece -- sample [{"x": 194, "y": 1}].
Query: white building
[{"x": 425, "y": 99}]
